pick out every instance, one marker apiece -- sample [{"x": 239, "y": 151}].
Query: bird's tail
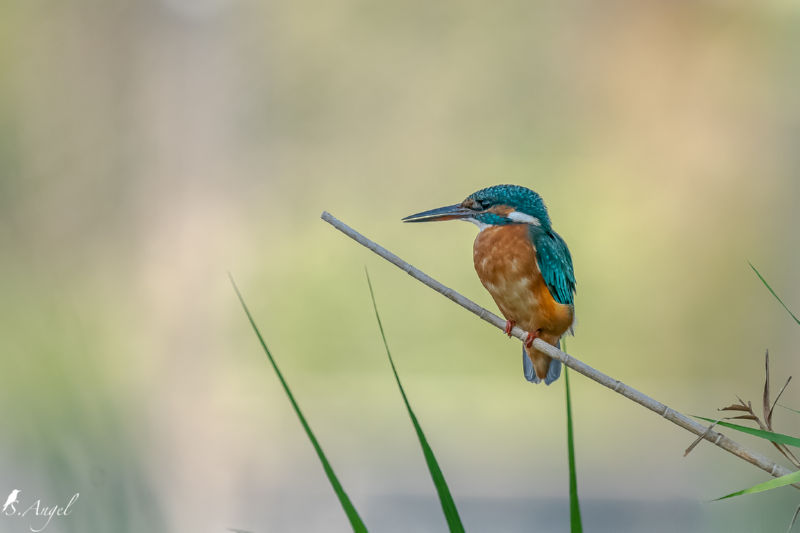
[{"x": 538, "y": 366}]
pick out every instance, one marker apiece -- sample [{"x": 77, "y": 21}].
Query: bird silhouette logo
[{"x": 11, "y": 500}]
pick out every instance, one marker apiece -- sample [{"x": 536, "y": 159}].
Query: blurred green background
[{"x": 148, "y": 147}]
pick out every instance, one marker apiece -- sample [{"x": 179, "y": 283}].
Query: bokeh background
[{"x": 148, "y": 147}]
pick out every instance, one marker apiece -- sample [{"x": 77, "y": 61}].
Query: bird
[
  {"x": 12, "y": 499},
  {"x": 524, "y": 264}
]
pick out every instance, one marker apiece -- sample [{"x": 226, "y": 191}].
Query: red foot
[
  {"x": 509, "y": 326},
  {"x": 531, "y": 336}
]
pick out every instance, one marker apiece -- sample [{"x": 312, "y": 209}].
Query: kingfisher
[{"x": 523, "y": 263}]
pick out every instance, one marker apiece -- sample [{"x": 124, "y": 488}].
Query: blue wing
[
  {"x": 553, "y": 371},
  {"x": 555, "y": 264},
  {"x": 527, "y": 367}
]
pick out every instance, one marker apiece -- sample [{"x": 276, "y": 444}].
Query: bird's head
[{"x": 493, "y": 206}]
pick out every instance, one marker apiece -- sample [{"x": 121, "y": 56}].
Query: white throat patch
[
  {"x": 481, "y": 226},
  {"x": 523, "y": 218}
]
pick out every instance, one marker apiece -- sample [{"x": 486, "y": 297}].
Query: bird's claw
[
  {"x": 530, "y": 338},
  {"x": 509, "y": 326}
]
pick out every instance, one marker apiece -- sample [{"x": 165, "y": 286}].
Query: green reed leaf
[
  {"x": 446, "y": 500},
  {"x": 780, "y": 438},
  {"x": 773, "y": 292},
  {"x": 576, "y": 525},
  {"x": 349, "y": 509},
  {"x": 788, "y": 479}
]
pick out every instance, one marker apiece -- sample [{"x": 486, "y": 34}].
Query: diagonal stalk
[{"x": 617, "y": 386}]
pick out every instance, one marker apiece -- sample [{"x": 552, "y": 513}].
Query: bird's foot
[
  {"x": 530, "y": 338},
  {"x": 509, "y": 326}
]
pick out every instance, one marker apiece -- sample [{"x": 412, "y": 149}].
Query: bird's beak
[{"x": 450, "y": 212}]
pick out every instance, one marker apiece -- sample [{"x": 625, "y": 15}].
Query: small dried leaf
[
  {"x": 692, "y": 446},
  {"x": 734, "y": 407},
  {"x": 748, "y": 404},
  {"x": 742, "y": 417},
  {"x": 700, "y": 438}
]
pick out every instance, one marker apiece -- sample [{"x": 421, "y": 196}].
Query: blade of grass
[
  {"x": 448, "y": 505},
  {"x": 773, "y": 292},
  {"x": 780, "y": 438},
  {"x": 576, "y": 525},
  {"x": 782, "y": 481},
  {"x": 349, "y": 509},
  {"x": 789, "y": 408}
]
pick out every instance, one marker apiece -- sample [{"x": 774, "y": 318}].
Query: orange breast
[{"x": 505, "y": 261}]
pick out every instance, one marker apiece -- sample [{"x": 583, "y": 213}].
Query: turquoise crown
[{"x": 520, "y": 198}]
